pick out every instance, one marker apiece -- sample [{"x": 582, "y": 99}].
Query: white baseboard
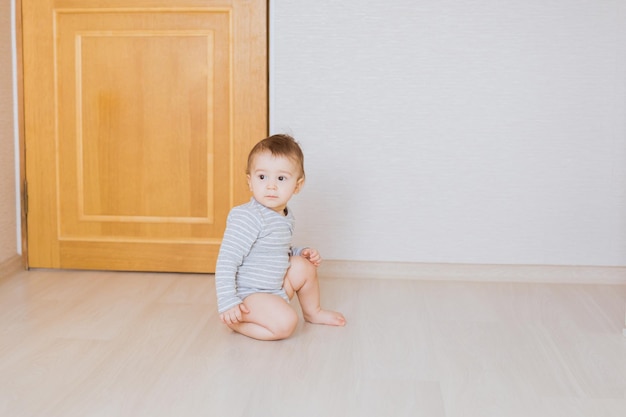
[
  {"x": 471, "y": 272},
  {"x": 11, "y": 266}
]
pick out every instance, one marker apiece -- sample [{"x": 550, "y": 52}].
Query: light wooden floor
[{"x": 128, "y": 344}]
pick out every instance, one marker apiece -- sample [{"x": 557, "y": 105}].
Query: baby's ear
[{"x": 299, "y": 185}]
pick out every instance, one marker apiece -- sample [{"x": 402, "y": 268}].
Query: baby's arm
[{"x": 241, "y": 233}]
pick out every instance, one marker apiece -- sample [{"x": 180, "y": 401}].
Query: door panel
[{"x": 138, "y": 120}]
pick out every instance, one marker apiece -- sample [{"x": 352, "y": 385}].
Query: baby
[{"x": 258, "y": 271}]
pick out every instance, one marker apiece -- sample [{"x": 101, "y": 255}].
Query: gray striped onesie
[{"x": 254, "y": 255}]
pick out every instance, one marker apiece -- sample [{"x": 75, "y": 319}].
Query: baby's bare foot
[{"x": 331, "y": 318}]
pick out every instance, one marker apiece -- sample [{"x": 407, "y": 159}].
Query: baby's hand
[
  {"x": 234, "y": 315},
  {"x": 312, "y": 255}
]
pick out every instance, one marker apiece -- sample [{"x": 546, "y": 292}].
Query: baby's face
[{"x": 273, "y": 180}]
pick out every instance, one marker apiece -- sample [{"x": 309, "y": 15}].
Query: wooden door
[{"x": 138, "y": 117}]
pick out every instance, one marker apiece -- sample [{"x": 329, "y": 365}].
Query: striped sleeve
[
  {"x": 242, "y": 230},
  {"x": 297, "y": 251}
]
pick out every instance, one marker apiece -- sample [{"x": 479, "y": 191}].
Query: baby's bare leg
[
  {"x": 269, "y": 318},
  {"x": 301, "y": 278}
]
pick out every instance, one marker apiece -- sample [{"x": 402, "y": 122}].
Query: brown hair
[{"x": 279, "y": 145}]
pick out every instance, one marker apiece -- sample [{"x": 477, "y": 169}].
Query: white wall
[
  {"x": 8, "y": 216},
  {"x": 485, "y": 131}
]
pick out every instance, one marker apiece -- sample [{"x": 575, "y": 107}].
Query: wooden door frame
[{"x": 20, "y": 128}]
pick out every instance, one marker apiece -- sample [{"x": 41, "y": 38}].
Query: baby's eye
[
  {"x": 261, "y": 177},
  {"x": 282, "y": 178}
]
